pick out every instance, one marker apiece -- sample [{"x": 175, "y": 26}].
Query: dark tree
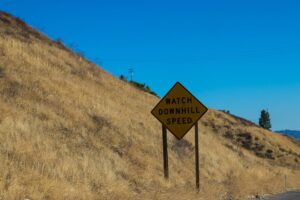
[{"x": 264, "y": 120}]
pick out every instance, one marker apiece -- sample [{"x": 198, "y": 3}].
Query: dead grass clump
[
  {"x": 4, "y": 19},
  {"x": 20, "y": 22},
  {"x": 182, "y": 147},
  {"x": 79, "y": 72},
  {"x": 2, "y": 74},
  {"x": 269, "y": 154},
  {"x": 229, "y": 146},
  {"x": 59, "y": 43},
  {"x": 258, "y": 147},
  {"x": 100, "y": 122},
  {"x": 245, "y": 139},
  {"x": 205, "y": 123},
  {"x": 11, "y": 89},
  {"x": 229, "y": 135}
]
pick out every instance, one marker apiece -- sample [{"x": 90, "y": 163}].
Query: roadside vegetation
[{"x": 141, "y": 86}]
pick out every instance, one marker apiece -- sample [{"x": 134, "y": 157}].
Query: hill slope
[
  {"x": 70, "y": 130},
  {"x": 292, "y": 133}
]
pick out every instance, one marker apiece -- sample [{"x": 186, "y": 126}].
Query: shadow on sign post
[{"x": 178, "y": 112}]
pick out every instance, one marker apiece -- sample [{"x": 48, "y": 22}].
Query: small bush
[
  {"x": 269, "y": 154},
  {"x": 245, "y": 136},
  {"x": 228, "y": 135},
  {"x": 143, "y": 87},
  {"x": 260, "y": 154},
  {"x": 123, "y": 78},
  {"x": 182, "y": 147},
  {"x": 99, "y": 122},
  {"x": 58, "y": 41},
  {"x": 258, "y": 147},
  {"x": 5, "y": 20},
  {"x": 245, "y": 139},
  {"x": 269, "y": 151},
  {"x": 226, "y": 111}
]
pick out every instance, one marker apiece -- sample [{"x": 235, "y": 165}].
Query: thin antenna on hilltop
[{"x": 131, "y": 72}]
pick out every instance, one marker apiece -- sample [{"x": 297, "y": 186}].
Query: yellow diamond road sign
[{"x": 179, "y": 110}]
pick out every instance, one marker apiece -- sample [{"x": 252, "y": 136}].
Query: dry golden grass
[{"x": 70, "y": 130}]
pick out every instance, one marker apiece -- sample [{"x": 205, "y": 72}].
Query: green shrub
[{"x": 143, "y": 87}]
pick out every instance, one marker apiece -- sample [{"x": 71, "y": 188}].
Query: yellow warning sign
[{"x": 179, "y": 110}]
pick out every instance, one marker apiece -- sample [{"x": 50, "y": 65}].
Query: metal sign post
[
  {"x": 165, "y": 152},
  {"x": 197, "y": 172}
]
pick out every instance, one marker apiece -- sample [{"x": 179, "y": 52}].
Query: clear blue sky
[{"x": 241, "y": 56}]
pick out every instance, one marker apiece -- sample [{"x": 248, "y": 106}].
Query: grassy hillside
[
  {"x": 290, "y": 133},
  {"x": 70, "y": 130}
]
